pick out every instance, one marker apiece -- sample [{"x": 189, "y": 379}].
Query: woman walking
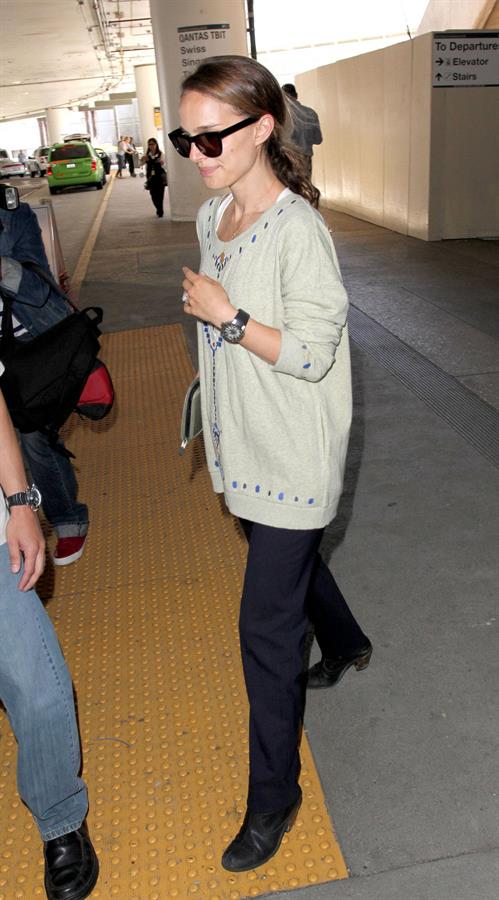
[
  {"x": 156, "y": 174},
  {"x": 130, "y": 155},
  {"x": 120, "y": 155},
  {"x": 276, "y": 398}
]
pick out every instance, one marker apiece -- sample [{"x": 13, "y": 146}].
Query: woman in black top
[{"x": 156, "y": 174}]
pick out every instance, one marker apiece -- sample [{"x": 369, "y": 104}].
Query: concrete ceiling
[
  {"x": 65, "y": 52},
  {"x": 62, "y": 52}
]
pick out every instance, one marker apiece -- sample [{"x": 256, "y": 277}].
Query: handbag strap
[
  {"x": 7, "y": 339},
  {"x": 47, "y": 277}
]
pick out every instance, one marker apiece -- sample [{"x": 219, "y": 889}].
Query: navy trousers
[{"x": 286, "y": 585}]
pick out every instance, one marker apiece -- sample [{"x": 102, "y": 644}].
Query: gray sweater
[{"x": 276, "y": 436}]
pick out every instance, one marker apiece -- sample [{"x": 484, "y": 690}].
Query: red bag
[{"x": 97, "y": 397}]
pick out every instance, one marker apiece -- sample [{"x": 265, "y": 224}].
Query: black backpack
[{"x": 45, "y": 376}]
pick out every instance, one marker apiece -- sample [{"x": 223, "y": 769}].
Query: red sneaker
[{"x": 68, "y": 550}]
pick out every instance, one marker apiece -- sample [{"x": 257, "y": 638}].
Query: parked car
[
  {"x": 79, "y": 136},
  {"x": 74, "y": 164},
  {"x": 38, "y": 162},
  {"x": 106, "y": 160},
  {"x": 10, "y": 166}
]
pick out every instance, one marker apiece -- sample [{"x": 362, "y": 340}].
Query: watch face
[
  {"x": 33, "y": 497},
  {"x": 232, "y": 333}
]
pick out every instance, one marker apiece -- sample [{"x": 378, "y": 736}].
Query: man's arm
[{"x": 24, "y": 536}]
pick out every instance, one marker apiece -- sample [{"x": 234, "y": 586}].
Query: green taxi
[{"x": 73, "y": 164}]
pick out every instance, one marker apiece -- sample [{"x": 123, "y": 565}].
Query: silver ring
[{"x": 185, "y": 297}]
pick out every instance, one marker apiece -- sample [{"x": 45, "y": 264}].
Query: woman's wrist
[{"x": 228, "y": 316}]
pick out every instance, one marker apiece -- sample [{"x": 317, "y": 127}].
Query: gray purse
[{"x": 191, "y": 423}]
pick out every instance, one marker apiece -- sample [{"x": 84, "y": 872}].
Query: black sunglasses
[{"x": 208, "y": 142}]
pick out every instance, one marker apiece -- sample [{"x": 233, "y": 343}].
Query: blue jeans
[
  {"x": 35, "y": 687},
  {"x": 53, "y": 474}
]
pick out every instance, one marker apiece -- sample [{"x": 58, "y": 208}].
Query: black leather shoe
[
  {"x": 259, "y": 838},
  {"x": 71, "y": 866},
  {"x": 328, "y": 671}
]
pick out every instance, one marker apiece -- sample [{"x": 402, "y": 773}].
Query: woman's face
[
  {"x": 152, "y": 146},
  {"x": 241, "y": 150}
]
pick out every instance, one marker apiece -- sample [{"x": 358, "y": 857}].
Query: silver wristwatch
[
  {"x": 30, "y": 497},
  {"x": 233, "y": 332}
]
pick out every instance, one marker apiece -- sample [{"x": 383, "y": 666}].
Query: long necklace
[{"x": 238, "y": 228}]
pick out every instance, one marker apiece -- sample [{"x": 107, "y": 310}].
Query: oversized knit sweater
[{"x": 276, "y": 435}]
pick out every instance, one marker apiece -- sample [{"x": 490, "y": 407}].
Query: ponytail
[{"x": 290, "y": 167}]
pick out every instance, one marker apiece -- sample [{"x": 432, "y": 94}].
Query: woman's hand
[
  {"x": 206, "y": 299},
  {"x": 26, "y": 543}
]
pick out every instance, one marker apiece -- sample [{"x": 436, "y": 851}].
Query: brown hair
[{"x": 252, "y": 90}]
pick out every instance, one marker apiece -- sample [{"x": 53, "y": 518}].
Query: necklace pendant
[{"x": 221, "y": 261}]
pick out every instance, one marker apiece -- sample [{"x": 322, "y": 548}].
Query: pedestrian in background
[
  {"x": 121, "y": 156},
  {"x": 129, "y": 155},
  {"x": 154, "y": 162},
  {"x": 306, "y": 126},
  {"x": 37, "y": 307}
]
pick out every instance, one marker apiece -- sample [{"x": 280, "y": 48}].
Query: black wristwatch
[
  {"x": 233, "y": 332},
  {"x": 30, "y": 497}
]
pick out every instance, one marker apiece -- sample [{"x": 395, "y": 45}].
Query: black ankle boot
[
  {"x": 71, "y": 866},
  {"x": 259, "y": 838},
  {"x": 330, "y": 670}
]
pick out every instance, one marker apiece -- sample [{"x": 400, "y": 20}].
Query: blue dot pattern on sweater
[{"x": 281, "y": 495}]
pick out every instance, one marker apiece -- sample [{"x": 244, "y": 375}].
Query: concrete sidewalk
[{"x": 407, "y": 751}]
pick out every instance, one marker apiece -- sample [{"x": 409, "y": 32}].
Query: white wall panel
[{"x": 399, "y": 153}]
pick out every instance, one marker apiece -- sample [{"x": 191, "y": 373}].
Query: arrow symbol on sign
[
  {"x": 438, "y": 76},
  {"x": 439, "y": 61}
]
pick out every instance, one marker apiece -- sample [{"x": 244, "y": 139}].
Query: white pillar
[
  {"x": 56, "y": 124},
  {"x": 146, "y": 85},
  {"x": 186, "y": 32}
]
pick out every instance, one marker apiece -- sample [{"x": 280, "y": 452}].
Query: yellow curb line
[{"x": 84, "y": 258}]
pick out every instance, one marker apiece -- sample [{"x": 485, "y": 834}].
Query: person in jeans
[
  {"x": 121, "y": 156},
  {"x": 276, "y": 407},
  {"x": 36, "y": 689},
  {"x": 36, "y": 308}
]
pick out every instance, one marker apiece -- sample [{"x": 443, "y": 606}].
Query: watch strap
[
  {"x": 30, "y": 497},
  {"x": 233, "y": 331},
  {"x": 241, "y": 318},
  {"x": 19, "y": 499}
]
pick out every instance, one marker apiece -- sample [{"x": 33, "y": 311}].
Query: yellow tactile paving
[{"x": 148, "y": 622}]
